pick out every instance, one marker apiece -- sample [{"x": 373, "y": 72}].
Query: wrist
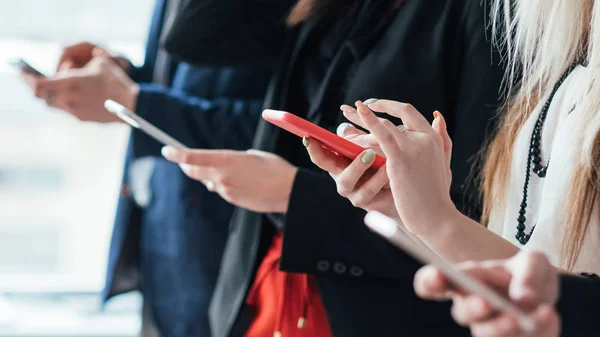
[
  {"x": 440, "y": 227},
  {"x": 129, "y": 96}
]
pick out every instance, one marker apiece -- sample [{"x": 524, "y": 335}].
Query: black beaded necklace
[{"x": 534, "y": 158}]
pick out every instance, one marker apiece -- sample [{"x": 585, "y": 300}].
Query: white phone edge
[
  {"x": 388, "y": 228},
  {"x": 138, "y": 122}
]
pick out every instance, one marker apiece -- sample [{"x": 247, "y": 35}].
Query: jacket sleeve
[
  {"x": 325, "y": 235},
  {"x": 229, "y": 33},
  {"x": 196, "y": 122},
  {"x": 579, "y": 305}
]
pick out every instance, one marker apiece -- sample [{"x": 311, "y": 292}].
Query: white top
[{"x": 547, "y": 197}]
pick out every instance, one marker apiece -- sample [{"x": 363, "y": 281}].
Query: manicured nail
[
  {"x": 439, "y": 115},
  {"x": 305, "y": 141},
  {"x": 168, "y": 151},
  {"x": 363, "y": 109},
  {"x": 370, "y": 101},
  {"x": 368, "y": 157},
  {"x": 185, "y": 167},
  {"x": 343, "y": 128}
]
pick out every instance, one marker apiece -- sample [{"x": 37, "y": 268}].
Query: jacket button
[
  {"x": 323, "y": 265},
  {"x": 339, "y": 268},
  {"x": 356, "y": 271}
]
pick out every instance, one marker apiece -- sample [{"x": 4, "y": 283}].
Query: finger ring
[
  {"x": 210, "y": 185},
  {"x": 49, "y": 97},
  {"x": 402, "y": 128}
]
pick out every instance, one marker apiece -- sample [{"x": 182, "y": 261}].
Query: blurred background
[{"x": 59, "y": 178}]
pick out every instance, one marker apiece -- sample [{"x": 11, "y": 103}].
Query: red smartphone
[{"x": 329, "y": 140}]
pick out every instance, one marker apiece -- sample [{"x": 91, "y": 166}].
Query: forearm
[{"x": 460, "y": 238}]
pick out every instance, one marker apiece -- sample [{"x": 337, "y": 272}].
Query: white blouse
[{"x": 547, "y": 197}]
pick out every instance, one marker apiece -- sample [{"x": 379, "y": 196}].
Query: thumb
[
  {"x": 440, "y": 127},
  {"x": 99, "y": 52}
]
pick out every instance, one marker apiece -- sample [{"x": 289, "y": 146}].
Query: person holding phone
[
  {"x": 530, "y": 201},
  {"x": 168, "y": 235},
  {"x": 554, "y": 300},
  {"x": 528, "y": 279},
  {"x": 290, "y": 217}
]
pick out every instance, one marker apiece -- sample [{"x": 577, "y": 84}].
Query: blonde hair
[{"x": 540, "y": 40}]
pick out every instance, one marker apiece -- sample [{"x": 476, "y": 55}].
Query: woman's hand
[
  {"x": 365, "y": 188},
  {"x": 418, "y": 163},
  {"x": 255, "y": 180},
  {"x": 528, "y": 279}
]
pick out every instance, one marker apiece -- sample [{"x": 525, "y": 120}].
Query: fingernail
[
  {"x": 368, "y": 157},
  {"x": 168, "y": 151},
  {"x": 363, "y": 110},
  {"x": 343, "y": 128},
  {"x": 370, "y": 101},
  {"x": 305, "y": 141},
  {"x": 439, "y": 115},
  {"x": 185, "y": 167}
]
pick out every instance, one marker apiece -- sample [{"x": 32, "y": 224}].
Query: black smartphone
[{"x": 24, "y": 66}]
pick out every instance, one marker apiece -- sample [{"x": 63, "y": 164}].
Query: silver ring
[
  {"x": 49, "y": 97},
  {"x": 402, "y": 128},
  {"x": 210, "y": 185}
]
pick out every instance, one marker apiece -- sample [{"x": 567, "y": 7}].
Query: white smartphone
[
  {"x": 21, "y": 64},
  {"x": 388, "y": 228},
  {"x": 138, "y": 122}
]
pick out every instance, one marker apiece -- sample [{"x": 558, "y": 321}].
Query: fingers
[
  {"x": 203, "y": 158},
  {"x": 410, "y": 116},
  {"x": 547, "y": 324},
  {"x": 100, "y": 52},
  {"x": 199, "y": 173},
  {"x": 383, "y": 130},
  {"x": 347, "y": 180},
  {"x": 547, "y": 321},
  {"x": 60, "y": 91},
  {"x": 503, "y": 325},
  {"x": 469, "y": 310},
  {"x": 371, "y": 188},
  {"x": 535, "y": 281},
  {"x": 431, "y": 284},
  {"x": 348, "y": 130},
  {"x": 323, "y": 158},
  {"x": 75, "y": 56},
  {"x": 352, "y": 115},
  {"x": 440, "y": 127}
]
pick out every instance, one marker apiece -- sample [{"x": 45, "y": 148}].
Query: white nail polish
[{"x": 343, "y": 128}]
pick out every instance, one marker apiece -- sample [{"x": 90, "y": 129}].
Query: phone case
[{"x": 301, "y": 127}]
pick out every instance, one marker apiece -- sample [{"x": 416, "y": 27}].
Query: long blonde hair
[{"x": 540, "y": 40}]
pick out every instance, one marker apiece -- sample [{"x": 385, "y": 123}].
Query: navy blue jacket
[{"x": 172, "y": 249}]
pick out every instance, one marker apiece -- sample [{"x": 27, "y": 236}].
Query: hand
[
  {"x": 78, "y": 56},
  {"x": 418, "y": 163},
  {"x": 259, "y": 181},
  {"x": 527, "y": 279},
  {"x": 82, "y": 92},
  {"x": 365, "y": 188}
]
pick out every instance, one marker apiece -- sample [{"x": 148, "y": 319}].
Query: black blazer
[{"x": 434, "y": 54}]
